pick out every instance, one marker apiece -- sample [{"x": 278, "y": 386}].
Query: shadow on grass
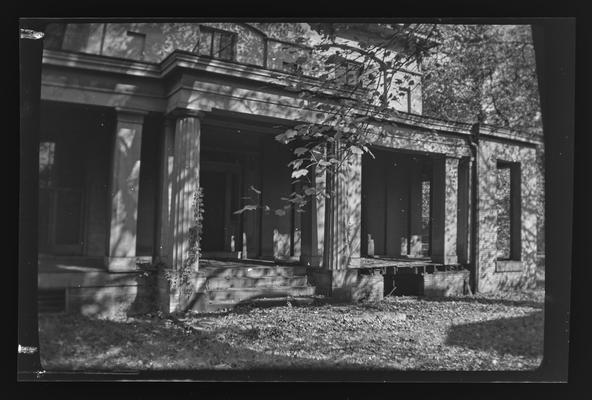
[
  {"x": 521, "y": 336},
  {"x": 69, "y": 342},
  {"x": 493, "y": 301}
]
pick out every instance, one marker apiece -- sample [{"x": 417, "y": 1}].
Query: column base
[
  {"x": 445, "y": 260},
  {"x": 311, "y": 261},
  {"x": 126, "y": 264}
]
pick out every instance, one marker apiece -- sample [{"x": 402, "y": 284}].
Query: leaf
[
  {"x": 296, "y": 163},
  {"x": 280, "y": 212},
  {"x": 299, "y": 173},
  {"x": 255, "y": 190},
  {"x": 357, "y": 150},
  {"x": 300, "y": 150},
  {"x": 290, "y": 133},
  {"x": 310, "y": 191},
  {"x": 248, "y": 207}
]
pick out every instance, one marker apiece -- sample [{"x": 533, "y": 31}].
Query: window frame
[
  {"x": 515, "y": 211},
  {"x": 342, "y": 61},
  {"x": 212, "y": 32},
  {"x": 134, "y": 34}
]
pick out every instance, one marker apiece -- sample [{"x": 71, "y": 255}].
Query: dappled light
[{"x": 249, "y": 195}]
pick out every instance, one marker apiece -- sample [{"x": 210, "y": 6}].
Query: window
[
  {"x": 136, "y": 44},
  {"x": 216, "y": 43},
  {"x": 291, "y": 67},
  {"x": 405, "y": 95},
  {"x": 508, "y": 211},
  {"x": 347, "y": 73},
  {"x": 46, "y": 163},
  {"x": 426, "y": 226}
]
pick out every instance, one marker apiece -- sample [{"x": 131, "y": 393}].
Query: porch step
[
  {"x": 241, "y": 294},
  {"x": 262, "y": 302},
  {"x": 250, "y": 271},
  {"x": 221, "y": 283},
  {"x": 215, "y": 300},
  {"x": 228, "y": 283}
]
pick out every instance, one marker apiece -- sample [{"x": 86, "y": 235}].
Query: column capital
[
  {"x": 180, "y": 112},
  {"x": 130, "y": 115}
]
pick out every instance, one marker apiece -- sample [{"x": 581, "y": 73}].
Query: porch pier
[
  {"x": 125, "y": 180},
  {"x": 339, "y": 275},
  {"x": 313, "y": 224},
  {"x": 445, "y": 210},
  {"x": 179, "y": 184}
]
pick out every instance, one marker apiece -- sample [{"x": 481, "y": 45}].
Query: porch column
[
  {"x": 167, "y": 149},
  {"x": 445, "y": 210},
  {"x": 179, "y": 182},
  {"x": 343, "y": 216},
  {"x": 313, "y": 224},
  {"x": 125, "y": 180},
  {"x": 185, "y": 182},
  {"x": 338, "y": 276}
]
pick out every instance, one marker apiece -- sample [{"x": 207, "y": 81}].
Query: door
[{"x": 213, "y": 184}]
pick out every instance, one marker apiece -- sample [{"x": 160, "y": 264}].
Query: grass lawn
[{"x": 482, "y": 332}]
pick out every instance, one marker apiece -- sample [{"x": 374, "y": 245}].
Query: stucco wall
[{"x": 489, "y": 279}]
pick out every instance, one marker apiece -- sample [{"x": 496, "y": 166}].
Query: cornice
[{"x": 181, "y": 60}]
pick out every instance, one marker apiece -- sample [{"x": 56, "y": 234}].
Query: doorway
[
  {"x": 397, "y": 199},
  {"x": 220, "y": 184}
]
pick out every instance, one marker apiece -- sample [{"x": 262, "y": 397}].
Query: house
[{"x": 136, "y": 116}]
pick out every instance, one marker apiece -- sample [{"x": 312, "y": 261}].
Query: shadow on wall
[{"x": 520, "y": 336}]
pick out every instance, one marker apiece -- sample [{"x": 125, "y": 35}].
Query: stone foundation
[
  {"x": 446, "y": 283},
  {"x": 351, "y": 285}
]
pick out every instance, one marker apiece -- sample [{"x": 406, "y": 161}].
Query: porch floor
[{"x": 417, "y": 264}]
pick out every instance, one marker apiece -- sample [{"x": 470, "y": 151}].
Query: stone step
[
  {"x": 219, "y": 283},
  {"x": 257, "y": 271},
  {"x": 236, "y": 295},
  {"x": 259, "y": 303}
]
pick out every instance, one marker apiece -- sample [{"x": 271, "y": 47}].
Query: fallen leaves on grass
[{"x": 483, "y": 332}]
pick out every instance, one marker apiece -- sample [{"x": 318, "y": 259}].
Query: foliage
[
  {"x": 483, "y": 332},
  {"x": 484, "y": 72},
  {"x": 358, "y": 68},
  {"x": 179, "y": 277}
]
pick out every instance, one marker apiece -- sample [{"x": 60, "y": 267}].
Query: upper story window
[
  {"x": 217, "y": 43},
  {"x": 136, "y": 44},
  {"x": 347, "y": 72},
  {"x": 291, "y": 67},
  {"x": 405, "y": 98}
]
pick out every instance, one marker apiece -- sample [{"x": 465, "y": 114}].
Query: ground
[{"x": 483, "y": 332}]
